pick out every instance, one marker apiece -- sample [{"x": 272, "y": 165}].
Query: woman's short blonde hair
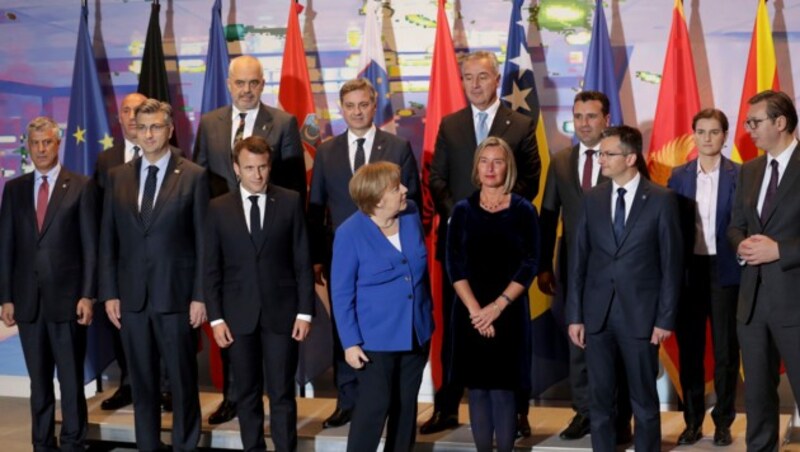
[
  {"x": 508, "y": 156},
  {"x": 370, "y": 182}
]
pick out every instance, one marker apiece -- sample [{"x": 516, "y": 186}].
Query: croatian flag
[{"x": 373, "y": 66}]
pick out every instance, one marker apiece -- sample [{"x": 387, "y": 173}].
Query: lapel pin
[
  {"x": 177, "y": 171},
  {"x": 64, "y": 186},
  {"x": 508, "y": 122},
  {"x": 263, "y": 127},
  {"x": 379, "y": 147}
]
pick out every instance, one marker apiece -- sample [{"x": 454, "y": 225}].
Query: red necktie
[
  {"x": 586, "y": 181},
  {"x": 41, "y": 202}
]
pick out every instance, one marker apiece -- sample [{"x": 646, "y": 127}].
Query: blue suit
[
  {"x": 382, "y": 303},
  {"x": 710, "y": 290}
]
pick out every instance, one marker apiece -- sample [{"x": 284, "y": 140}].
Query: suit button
[
  {"x": 403, "y": 261},
  {"x": 407, "y": 278},
  {"x": 410, "y": 296}
]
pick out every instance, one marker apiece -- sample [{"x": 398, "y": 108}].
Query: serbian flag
[
  {"x": 373, "y": 66},
  {"x": 761, "y": 74},
  {"x": 672, "y": 142},
  {"x": 294, "y": 94},
  {"x": 445, "y": 96}
]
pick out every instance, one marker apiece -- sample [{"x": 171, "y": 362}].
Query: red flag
[
  {"x": 445, "y": 96},
  {"x": 294, "y": 94}
]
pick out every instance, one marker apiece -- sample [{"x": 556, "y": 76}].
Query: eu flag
[
  {"x": 215, "y": 92},
  {"x": 599, "y": 75}
]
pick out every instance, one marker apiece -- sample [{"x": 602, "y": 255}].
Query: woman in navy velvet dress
[{"x": 492, "y": 257}]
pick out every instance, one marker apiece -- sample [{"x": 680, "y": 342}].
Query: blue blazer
[
  {"x": 684, "y": 182},
  {"x": 380, "y": 295}
]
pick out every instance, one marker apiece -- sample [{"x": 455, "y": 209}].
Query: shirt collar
[
  {"x": 582, "y": 148},
  {"x": 715, "y": 169},
  {"x": 52, "y": 175},
  {"x": 161, "y": 163},
  {"x": 631, "y": 186},
  {"x": 246, "y": 193},
  {"x": 235, "y": 112},
  {"x": 369, "y": 136},
  {"x": 491, "y": 111},
  {"x": 784, "y": 157}
]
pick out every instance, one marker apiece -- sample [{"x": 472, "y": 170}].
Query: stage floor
[{"x": 546, "y": 423}]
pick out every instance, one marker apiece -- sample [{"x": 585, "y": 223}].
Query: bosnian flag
[{"x": 373, "y": 66}]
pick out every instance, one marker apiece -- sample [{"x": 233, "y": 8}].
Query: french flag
[{"x": 373, "y": 66}]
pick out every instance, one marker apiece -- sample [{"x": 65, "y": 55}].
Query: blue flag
[
  {"x": 600, "y": 74},
  {"x": 86, "y": 136},
  {"x": 215, "y": 91},
  {"x": 373, "y": 66}
]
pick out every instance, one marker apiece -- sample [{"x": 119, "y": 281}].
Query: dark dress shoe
[
  {"x": 339, "y": 418},
  {"x": 578, "y": 428},
  {"x": 166, "y": 402},
  {"x": 120, "y": 398},
  {"x": 523, "y": 426},
  {"x": 690, "y": 435},
  {"x": 624, "y": 435},
  {"x": 722, "y": 436},
  {"x": 224, "y": 413},
  {"x": 439, "y": 422}
]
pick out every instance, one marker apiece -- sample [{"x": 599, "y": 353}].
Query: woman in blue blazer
[{"x": 382, "y": 306}]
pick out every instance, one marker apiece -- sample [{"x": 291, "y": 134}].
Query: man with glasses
[
  {"x": 218, "y": 133},
  {"x": 765, "y": 233},
  {"x": 625, "y": 274},
  {"x": 151, "y": 249}
]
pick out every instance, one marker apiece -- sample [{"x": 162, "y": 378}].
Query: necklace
[{"x": 492, "y": 206}]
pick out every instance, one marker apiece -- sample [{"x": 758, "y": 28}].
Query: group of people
[{"x": 235, "y": 239}]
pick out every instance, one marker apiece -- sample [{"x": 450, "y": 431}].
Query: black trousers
[
  {"x": 388, "y": 387},
  {"x": 147, "y": 336},
  {"x": 48, "y": 346},
  {"x": 765, "y": 340},
  {"x": 704, "y": 298}
]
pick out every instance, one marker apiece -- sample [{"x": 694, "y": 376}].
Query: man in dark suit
[
  {"x": 151, "y": 249},
  {"x": 764, "y": 231},
  {"x": 572, "y": 172},
  {"x": 705, "y": 188},
  {"x": 625, "y": 274},
  {"x": 260, "y": 292},
  {"x": 450, "y": 181},
  {"x": 330, "y": 203},
  {"x": 122, "y": 152},
  {"x": 48, "y": 259},
  {"x": 218, "y": 132}
]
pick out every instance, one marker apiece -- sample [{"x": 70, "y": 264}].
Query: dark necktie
[
  {"x": 239, "y": 136},
  {"x": 360, "y": 158},
  {"x": 41, "y": 202},
  {"x": 619, "y": 215},
  {"x": 136, "y": 150},
  {"x": 255, "y": 218},
  {"x": 586, "y": 181},
  {"x": 148, "y": 196},
  {"x": 772, "y": 190}
]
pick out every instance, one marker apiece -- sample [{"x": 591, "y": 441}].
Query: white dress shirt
[
  {"x": 129, "y": 152},
  {"x": 369, "y": 138},
  {"x": 705, "y": 242},
  {"x": 582, "y": 148},
  {"x": 783, "y": 160},
  {"x": 630, "y": 195},
  {"x": 52, "y": 176},
  {"x": 249, "y": 121}
]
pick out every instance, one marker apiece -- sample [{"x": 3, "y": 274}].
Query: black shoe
[
  {"x": 120, "y": 398},
  {"x": 166, "y": 402},
  {"x": 439, "y": 422},
  {"x": 624, "y": 435},
  {"x": 578, "y": 428},
  {"x": 224, "y": 413},
  {"x": 523, "y": 426},
  {"x": 339, "y": 418},
  {"x": 722, "y": 436},
  {"x": 690, "y": 435}
]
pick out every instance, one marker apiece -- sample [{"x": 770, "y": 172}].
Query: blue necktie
[
  {"x": 483, "y": 130},
  {"x": 148, "y": 196},
  {"x": 619, "y": 215}
]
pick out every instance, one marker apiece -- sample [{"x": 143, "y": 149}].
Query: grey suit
[{"x": 768, "y": 315}]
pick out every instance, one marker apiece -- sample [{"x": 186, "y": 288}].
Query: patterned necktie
[
  {"x": 483, "y": 130},
  {"x": 586, "y": 181},
  {"x": 136, "y": 150},
  {"x": 255, "y": 218},
  {"x": 149, "y": 194},
  {"x": 239, "y": 136},
  {"x": 41, "y": 202},
  {"x": 360, "y": 157},
  {"x": 772, "y": 190},
  {"x": 619, "y": 215}
]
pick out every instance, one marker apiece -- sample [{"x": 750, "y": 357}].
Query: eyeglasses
[
  {"x": 605, "y": 154},
  {"x": 752, "y": 123},
  {"x": 153, "y": 128}
]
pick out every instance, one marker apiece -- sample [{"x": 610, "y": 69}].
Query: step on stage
[{"x": 546, "y": 423}]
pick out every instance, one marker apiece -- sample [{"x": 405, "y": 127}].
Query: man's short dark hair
[
  {"x": 630, "y": 140},
  {"x": 586, "y": 96},
  {"x": 356, "y": 85},
  {"x": 711, "y": 113},
  {"x": 778, "y": 104},
  {"x": 254, "y": 144}
]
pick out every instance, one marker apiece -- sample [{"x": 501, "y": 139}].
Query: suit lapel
[
  {"x": 171, "y": 178},
  {"x": 226, "y": 126},
  {"x": 270, "y": 206},
  {"x": 466, "y": 129},
  {"x": 264, "y": 122},
  {"x": 727, "y": 174},
  {"x": 378, "y": 152},
  {"x": 501, "y": 123},
  {"x": 27, "y": 202},
  {"x": 760, "y": 165},
  {"x": 574, "y": 157},
  {"x": 604, "y": 205},
  {"x": 788, "y": 180},
  {"x": 639, "y": 201},
  {"x": 340, "y": 158},
  {"x": 62, "y": 185}
]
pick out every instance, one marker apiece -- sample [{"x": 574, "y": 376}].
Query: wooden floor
[{"x": 546, "y": 424}]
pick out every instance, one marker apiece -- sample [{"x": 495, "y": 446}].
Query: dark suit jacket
[
  {"x": 56, "y": 266},
  {"x": 643, "y": 272},
  {"x": 450, "y": 177},
  {"x": 562, "y": 196},
  {"x": 163, "y": 263},
  {"x": 381, "y": 296},
  {"x": 243, "y": 278},
  {"x": 212, "y": 149},
  {"x": 684, "y": 183},
  {"x": 329, "y": 202},
  {"x": 105, "y": 161},
  {"x": 783, "y": 225}
]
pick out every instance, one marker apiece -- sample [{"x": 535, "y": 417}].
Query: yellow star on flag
[
  {"x": 79, "y": 135},
  {"x": 107, "y": 142}
]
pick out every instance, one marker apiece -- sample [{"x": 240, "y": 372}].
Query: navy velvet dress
[{"x": 490, "y": 250}]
